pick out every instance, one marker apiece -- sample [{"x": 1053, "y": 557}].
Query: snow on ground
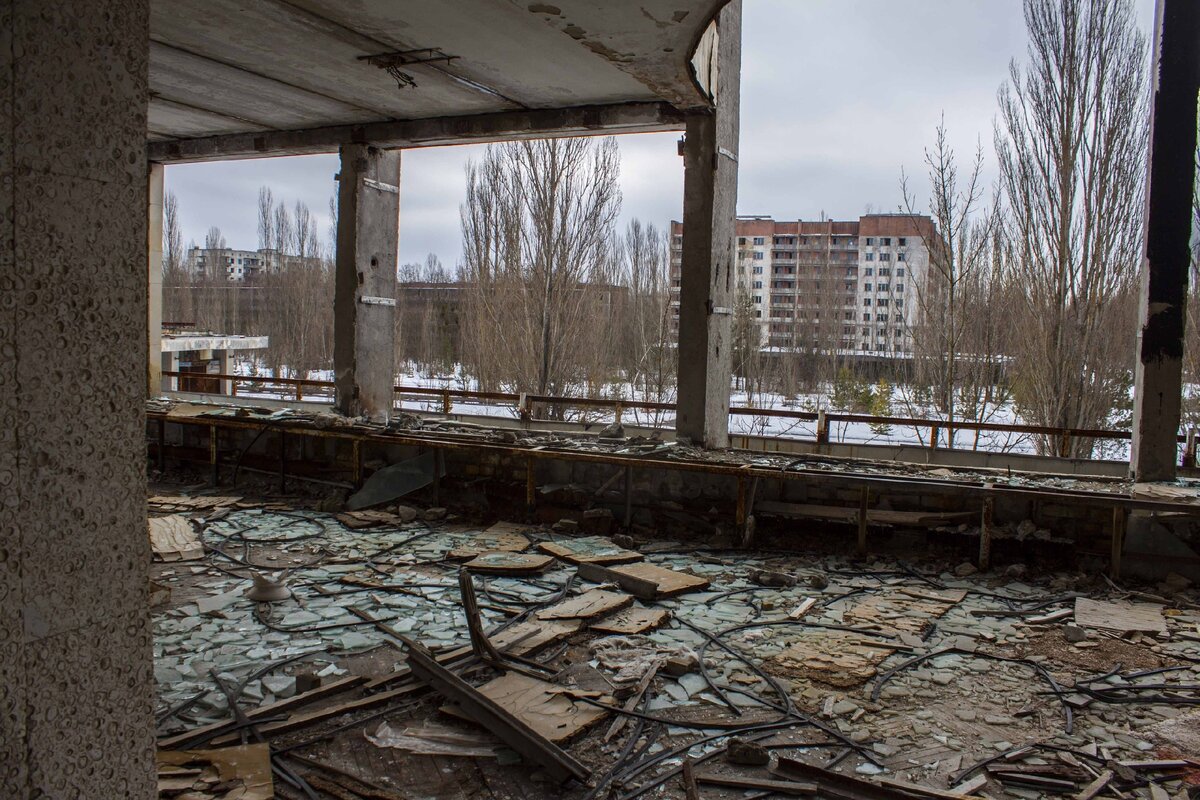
[{"x": 744, "y": 424}]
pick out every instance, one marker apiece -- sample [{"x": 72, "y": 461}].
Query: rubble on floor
[{"x": 649, "y": 671}]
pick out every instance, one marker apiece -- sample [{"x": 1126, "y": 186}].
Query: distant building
[
  {"x": 240, "y": 265},
  {"x": 829, "y": 285},
  {"x": 198, "y": 355}
]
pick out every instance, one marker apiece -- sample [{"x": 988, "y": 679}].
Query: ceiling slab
[{"x": 230, "y": 67}]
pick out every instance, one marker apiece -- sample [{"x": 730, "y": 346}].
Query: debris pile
[{"x": 351, "y": 651}]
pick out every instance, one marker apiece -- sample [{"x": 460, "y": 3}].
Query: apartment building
[
  {"x": 829, "y": 285},
  {"x": 240, "y": 265}
]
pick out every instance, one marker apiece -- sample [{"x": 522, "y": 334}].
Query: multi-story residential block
[
  {"x": 829, "y": 285},
  {"x": 240, "y": 265}
]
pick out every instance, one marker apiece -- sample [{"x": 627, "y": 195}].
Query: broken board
[
  {"x": 833, "y": 658},
  {"x": 592, "y": 603},
  {"x": 547, "y": 708},
  {"x": 903, "y": 611},
  {"x": 502, "y": 563},
  {"x": 503, "y": 536},
  {"x": 198, "y": 503},
  {"x": 668, "y": 581},
  {"x": 589, "y": 550},
  {"x": 368, "y": 519},
  {"x": 249, "y": 763},
  {"x": 1120, "y": 617},
  {"x": 532, "y": 635},
  {"x": 174, "y": 538},
  {"x": 631, "y": 620}
]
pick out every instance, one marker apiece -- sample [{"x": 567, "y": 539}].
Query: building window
[
  {"x": 870, "y": 241},
  {"x": 758, "y": 256},
  {"x": 899, "y": 303},
  {"x": 883, "y": 301},
  {"x": 866, "y": 301},
  {"x": 899, "y": 287},
  {"x": 758, "y": 270},
  {"x": 758, "y": 284},
  {"x": 884, "y": 271},
  {"x": 903, "y": 242},
  {"x": 870, "y": 256},
  {"x": 886, "y": 241},
  {"x": 883, "y": 287},
  {"x": 741, "y": 240},
  {"x": 866, "y": 287},
  {"x": 900, "y": 272},
  {"x": 758, "y": 240},
  {"x": 885, "y": 256},
  {"x": 866, "y": 317},
  {"x": 758, "y": 315},
  {"x": 881, "y": 317},
  {"x": 757, "y": 298},
  {"x": 849, "y": 316},
  {"x": 900, "y": 256}
]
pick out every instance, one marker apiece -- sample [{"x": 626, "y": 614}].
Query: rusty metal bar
[
  {"x": 985, "y": 533},
  {"x": 356, "y": 457},
  {"x": 863, "y": 501}
]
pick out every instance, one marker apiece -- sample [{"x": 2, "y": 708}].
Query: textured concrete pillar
[
  {"x": 706, "y": 295},
  {"x": 1163, "y": 306},
  {"x": 154, "y": 294},
  {"x": 76, "y": 688},
  {"x": 365, "y": 286}
]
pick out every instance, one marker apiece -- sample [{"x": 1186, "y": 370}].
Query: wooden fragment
[
  {"x": 589, "y": 550},
  {"x": 274, "y": 709},
  {"x": 532, "y": 635},
  {"x": 508, "y": 563},
  {"x": 298, "y": 721},
  {"x": 1120, "y": 617},
  {"x": 1053, "y": 616},
  {"x": 690, "y": 790},
  {"x": 248, "y": 763},
  {"x": 968, "y": 787},
  {"x": 503, "y": 536},
  {"x": 631, "y": 620},
  {"x": 1095, "y": 787},
  {"x": 510, "y": 729},
  {"x": 592, "y": 603},
  {"x": 793, "y": 788},
  {"x": 668, "y": 582},
  {"x": 802, "y": 609},
  {"x": 640, "y": 588}
]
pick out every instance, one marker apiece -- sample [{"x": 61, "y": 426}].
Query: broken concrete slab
[
  {"x": 1124, "y": 617},
  {"x": 174, "y": 538},
  {"x": 589, "y": 550}
]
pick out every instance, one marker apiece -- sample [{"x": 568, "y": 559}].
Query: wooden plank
[
  {"x": 547, "y": 708},
  {"x": 274, "y": 709},
  {"x": 1120, "y": 616},
  {"x": 640, "y": 588},
  {"x": 668, "y": 582},
  {"x": 503, "y": 536},
  {"x": 793, "y": 788},
  {"x": 632, "y": 620},
  {"x": 592, "y": 603},
  {"x": 299, "y": 721},
  {"x": 1095, "y": 787}
]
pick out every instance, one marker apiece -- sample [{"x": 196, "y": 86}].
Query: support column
[
  {"x": 76, "y": 680},
  {"x": 154, "y": 269},
  {"x": 1163, "y": 304},
  {"x": 706, "y": 295},
  {"x": 365, "y": 285}
]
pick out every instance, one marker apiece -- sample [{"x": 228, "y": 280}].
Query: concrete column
[
  {"x": 76, "y": 681},
  {"x": 1163, "y": 305},
  {"x": 706, "y": 294},
  {"x": 155, "y": 278},
  {"x": 225, "y": 357},
  {"x": 365, "y": 286}
]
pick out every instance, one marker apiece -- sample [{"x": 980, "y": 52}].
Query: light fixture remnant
[{"x": 392, "y": 63}]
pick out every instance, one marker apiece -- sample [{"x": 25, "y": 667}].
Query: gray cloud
[{"x": 838, "y": 96}]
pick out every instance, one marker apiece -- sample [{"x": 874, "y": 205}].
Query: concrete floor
[{"x": 926, "y": 724}]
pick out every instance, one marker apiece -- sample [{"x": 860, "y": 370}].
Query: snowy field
[{"x": 746, "y": 424}]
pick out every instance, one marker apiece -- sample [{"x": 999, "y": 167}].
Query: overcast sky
[{"x": 838, "y": 96}]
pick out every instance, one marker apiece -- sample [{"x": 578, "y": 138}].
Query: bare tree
[
  {"x": 213, "y": 240},
  {"x": 266, "y": 211},
  {"x": 1071, "y": 144},
  {"x": 645, "y": 355},
  {"x": 537, "y": 228},
  {"x": 954, "y": 364}
]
